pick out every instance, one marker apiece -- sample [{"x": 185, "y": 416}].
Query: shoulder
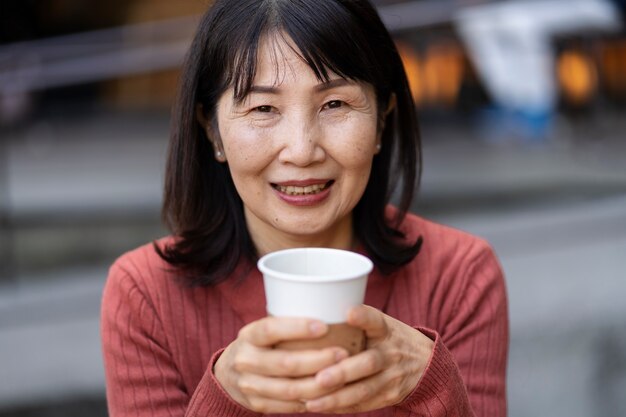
[
  {"x": 450, "y": 254},
  {"x": 143, "y": 261},
  {"x": 439, "y": 239},
  {"x": 140, "y": 270},
  {"x": 453, "y": 271}
]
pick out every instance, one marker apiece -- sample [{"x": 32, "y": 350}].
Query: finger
[
  {"x": 288, "y": 363},
  {"x": 281, "y": 389},
  {"x": 351, "y": 398},
  {"x": 267, "y": 406},
  {"x": 371, "y": 320},
  {"x": 354, "y": 368},
  {"x": 270, "y": 330}
]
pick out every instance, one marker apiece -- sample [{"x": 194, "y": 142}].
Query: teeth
[{"x": 293, "y": 190}]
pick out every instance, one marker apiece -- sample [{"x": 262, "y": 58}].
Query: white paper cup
[{"x": 316, "y": 283}]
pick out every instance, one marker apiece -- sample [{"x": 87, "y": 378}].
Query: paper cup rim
[{"x": 368, "y": 265}]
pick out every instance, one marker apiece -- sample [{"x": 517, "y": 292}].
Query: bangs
[{"x": 325, "y": 37}]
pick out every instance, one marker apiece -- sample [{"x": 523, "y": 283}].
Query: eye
[
  {"x": 263, "y": 109},
  {"x": 334, "y": 104}
]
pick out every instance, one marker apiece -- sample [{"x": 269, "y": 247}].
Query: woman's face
[{"x": 299, "y": 150}]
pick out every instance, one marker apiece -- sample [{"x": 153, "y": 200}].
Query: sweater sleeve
[
  {"x": 141, "y": 376},
  {"x": 466, "y": 373}
]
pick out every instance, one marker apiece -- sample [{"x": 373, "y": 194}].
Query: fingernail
[
  {"x": 353, "y": 315},
  {"x": 340, "y": 355},
  {"x": 314, "y": 405},
  {"x": 317, "y": 328},
  {"x": 325, "y": 378}
]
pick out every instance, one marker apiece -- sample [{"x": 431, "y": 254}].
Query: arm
[
  {"x": 423, "y": 373},
  {"x": 467, "y": 371},
  {"x": 141, "y": 376}
]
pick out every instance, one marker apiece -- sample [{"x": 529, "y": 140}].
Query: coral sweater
[{"x": 161, "y": 338}]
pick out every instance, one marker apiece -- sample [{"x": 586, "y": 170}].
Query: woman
[{"x": 293, "y": 123}]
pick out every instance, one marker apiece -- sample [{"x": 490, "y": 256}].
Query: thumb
[{"x": 371, "y": 320}]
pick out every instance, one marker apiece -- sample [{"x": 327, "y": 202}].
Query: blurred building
[{"x": 145, "y": 41}]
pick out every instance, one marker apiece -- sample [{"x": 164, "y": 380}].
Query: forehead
[{"x": 279, "y": 60}]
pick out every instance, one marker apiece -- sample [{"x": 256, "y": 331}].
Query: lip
[
  {"x": 302, "y": 183},
  {"x": 305, "y": 199}
]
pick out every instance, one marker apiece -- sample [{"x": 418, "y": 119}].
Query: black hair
[{"x": 201, "y": 205}]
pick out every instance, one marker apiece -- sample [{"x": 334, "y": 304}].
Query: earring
[
  {"x": 219, "y": 156},
  {"x": 378, "y": 146}
]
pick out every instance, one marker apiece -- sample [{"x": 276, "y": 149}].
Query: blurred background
[{"x": 522, "y": 106}]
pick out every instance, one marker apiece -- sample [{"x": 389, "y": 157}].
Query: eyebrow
[
  {"x": 337, "y": 82},
  {"x": 264, "y": 89},
  {"x": 327, "y": 85}
]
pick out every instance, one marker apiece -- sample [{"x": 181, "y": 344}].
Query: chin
[{"x": 302, "y": 230}]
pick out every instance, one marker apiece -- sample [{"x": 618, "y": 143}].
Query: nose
[{"x": 302, "y": 144}]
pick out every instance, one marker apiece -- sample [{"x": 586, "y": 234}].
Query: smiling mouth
[{"x": 307, "y": 190}]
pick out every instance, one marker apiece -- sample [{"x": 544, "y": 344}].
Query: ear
[
  {"x": 200, "y": 115},
  {"x": 391, "y": 106},
  {"x": 212, "y": 133}
]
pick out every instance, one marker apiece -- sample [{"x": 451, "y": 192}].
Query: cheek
[
  {"x": 354, "y": 147},
  {"x": 246, "y": 150}
]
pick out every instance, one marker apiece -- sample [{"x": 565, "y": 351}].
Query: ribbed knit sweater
[{"x": 160, "y": 337}]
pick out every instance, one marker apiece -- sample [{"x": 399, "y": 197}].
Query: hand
[
  {"x": 382, "y": 375},
  {"x": 269, "y": 380}
]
